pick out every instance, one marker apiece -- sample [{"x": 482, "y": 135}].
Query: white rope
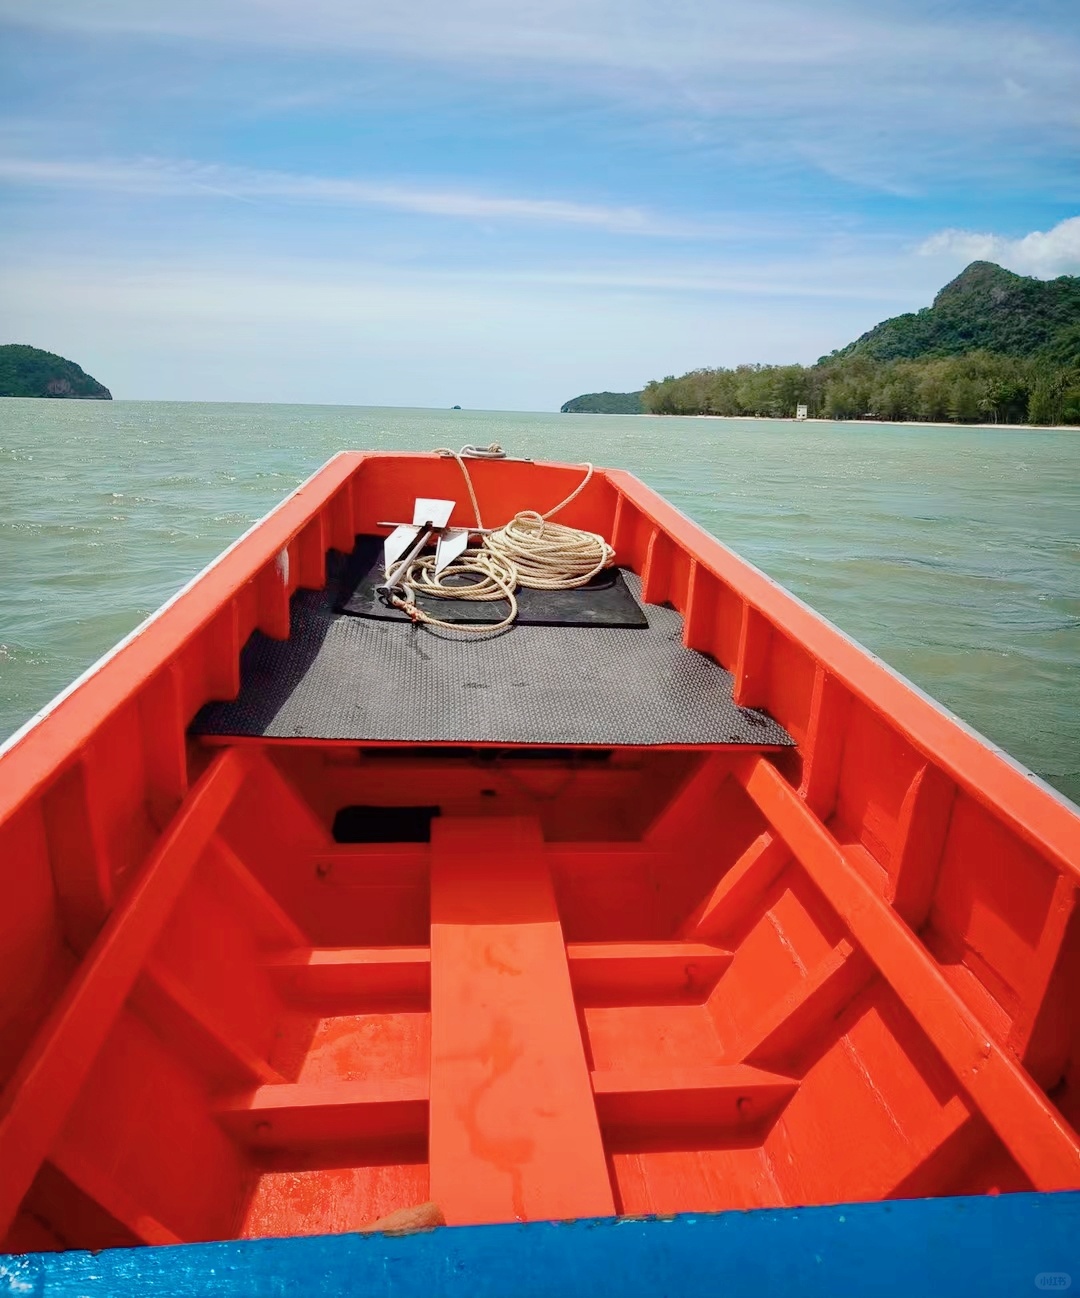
[
  {"x": 496, "y": 580},
  {"x": 529, "y": 551},
  {"x": 549, "y": 556}
]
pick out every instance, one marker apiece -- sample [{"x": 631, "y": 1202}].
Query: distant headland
[
  {"x": 993, "y": 348},
  {"x": 605, "y": 403},
  {"x": 30, "y": 372}
]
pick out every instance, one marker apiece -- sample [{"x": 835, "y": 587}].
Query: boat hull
[{"x": 264, "y": 983}]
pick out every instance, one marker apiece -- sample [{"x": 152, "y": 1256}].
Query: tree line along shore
[
  {"x": 994, "y": 347},
  {"x": 978, "y": 388}
]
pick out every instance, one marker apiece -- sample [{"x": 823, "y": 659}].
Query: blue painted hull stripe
[{"x": 985, "y": 1247}]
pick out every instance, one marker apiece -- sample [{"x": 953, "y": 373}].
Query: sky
[{"x": 501, "y": 205}]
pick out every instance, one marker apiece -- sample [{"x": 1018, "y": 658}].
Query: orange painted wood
[
  {"x": 74, "y": 1200},
  {"x": 312, "y": 547},
  {"x": 375, "y": 972},
  {"x": 946, "y": 1155},
  {"x": 970, "y": 919},
  {"x": 103, "y": 1190},
  {"x": 620, "y": 527},
  {"x": 166, "y": 1003},
  {"x": 78, "y": 855},
  {"x": 654, "y": 570},
  {"x": 342, "y": 524},
  {"x": 514, "y": 1133},
  {"x": 688, "y": 809},
  {"x": 1040, "y": 818},
  {"x": 222, "y": 644},
  {"x": 161, "y": 718},
  {"x": 272, "y": 584},
  {"x": 1041, "y": 1032},
  {"x": 724, "y": 1097},
  {"x": 923, "y": 824},
  {"x": 37, "y": 1099},
  {"x": 618, "y": 973},
  {"x": 270, "y": 742},
  {"x": 700, "y": 608},
  {"x": 739, "y": 888},
  {"x": 72, "y": 721},
  {"x": 296, "y": 1114},
  {"x": 274, "y": 926},
  {"x": 1027, "y": 1123},
  {"x": 794, "y": 1022},
  {"x": 277, "y": 787},
  {"x": 751, "y": 668},
  {"x": 824, "y": 746}
]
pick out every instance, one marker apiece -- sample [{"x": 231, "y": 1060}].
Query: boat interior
[{"x": 264, "y": 979}]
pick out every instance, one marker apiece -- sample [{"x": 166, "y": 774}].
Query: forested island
[
  {"x": 30, "y": 372},
  {"x": 605, "y": 403},
  {"x": 993, "y": 348}
]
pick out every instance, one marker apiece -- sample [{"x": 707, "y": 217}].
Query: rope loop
[
  {"x": 529, "y": 551},
  {"x": 547, "y": 555},
  {"x": 494, "y": 580}
]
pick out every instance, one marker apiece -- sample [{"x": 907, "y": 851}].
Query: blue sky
[{"x": 501, "y": 205}]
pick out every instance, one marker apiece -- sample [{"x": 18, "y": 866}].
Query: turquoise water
[{"x": 953, "y": 553}]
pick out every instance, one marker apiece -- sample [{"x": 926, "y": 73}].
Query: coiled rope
[{"x": 529, "y": 551}]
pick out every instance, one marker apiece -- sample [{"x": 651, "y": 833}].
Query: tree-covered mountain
[
  {"x": 30, "y": 372},
  {"x": 605, "y": 403},
  {"x": 993, "y": 348},
  {"x": 986, "y": 308}
]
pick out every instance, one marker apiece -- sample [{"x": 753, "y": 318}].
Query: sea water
[{"x": 953, "y": 553}]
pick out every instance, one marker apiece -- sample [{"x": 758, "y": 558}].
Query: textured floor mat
[
  {"x": 605, "y": 601},
  {"x": 342, "y": 677}
]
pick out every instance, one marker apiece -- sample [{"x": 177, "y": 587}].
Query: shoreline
[{"x": 885, "y": 423}]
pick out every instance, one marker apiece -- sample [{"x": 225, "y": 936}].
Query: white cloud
[
  {"x": 632, "y": 34},
  {"x": 1044, "y": 253},
  {"x": 153, "y": 176},
  {"x": 264, "y": 329},
  {"x": 881, "y": 97},
  {"x": 706, "y": 54}
]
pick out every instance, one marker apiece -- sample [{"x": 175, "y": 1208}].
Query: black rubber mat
[
  {"x": 341, "y": 677},
  {"x": 605, "y": 601}
]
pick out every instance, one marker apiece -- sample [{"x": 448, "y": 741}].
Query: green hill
[
  {"x": 986, "y": 308},
  {"x": 993, "y": 348},
  {"x": 605, "y": 403},
  {"x": 30, "y": 372}
]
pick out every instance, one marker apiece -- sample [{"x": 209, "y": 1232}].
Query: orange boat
[{"x": 314, "y": 916}]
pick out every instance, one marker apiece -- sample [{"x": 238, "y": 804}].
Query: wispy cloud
[
  {"x": 899, "y": 65},
  {"x": 1044, "y": 253},
  {"x": 898, "y": 99},
  {"x": 611, "y": 188},
  {"x": 634, "y": 34},
  {"x": 152, "y": 176},
  {"x": 624, "y": 33},
  {"x": 161, "y": 328}
]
